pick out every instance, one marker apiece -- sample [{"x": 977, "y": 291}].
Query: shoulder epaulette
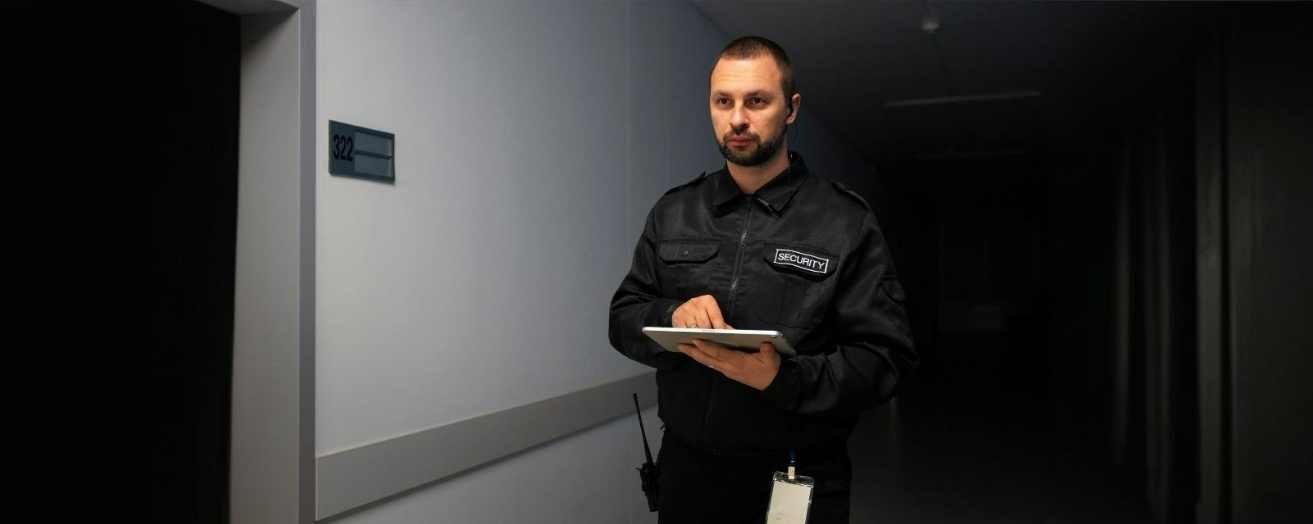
[
  {"x": 693, "y": 182},
  {"x": 845, "y": 190}
]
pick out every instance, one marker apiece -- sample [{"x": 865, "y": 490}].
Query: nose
[{"x": 738, "y": 119}]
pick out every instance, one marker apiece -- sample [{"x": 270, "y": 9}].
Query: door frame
[{"x": 272, "y": 450}]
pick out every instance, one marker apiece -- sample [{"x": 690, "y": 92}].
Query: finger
[
  {"x": 686, "y": 318},
  {"x": 732, "y": 357},
  {"x": 727, "y": 361},
  {"x": 697, "y": 354},
  {"x": 701, "y": 357},
  {"x": 691, "y": 349},
  {"x": 704, "y": 320},
  {"x": 704, "y": 348},
  {"x": 692, "y": 316},
  {"x": 714, "y": 316},
  {"x": 711, "y": 349}
]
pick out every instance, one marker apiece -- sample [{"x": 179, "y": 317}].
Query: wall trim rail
[{"x": 353, "y": 478}]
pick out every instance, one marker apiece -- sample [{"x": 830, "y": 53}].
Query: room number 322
[{"x": 344, "y": 147}]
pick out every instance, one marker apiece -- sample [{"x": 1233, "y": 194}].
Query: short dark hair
[{"x": 747, "y": 47}]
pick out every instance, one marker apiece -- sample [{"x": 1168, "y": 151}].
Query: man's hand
[
  {"x": 699, "y": 312},
  {"x": 756, "y": 370}
]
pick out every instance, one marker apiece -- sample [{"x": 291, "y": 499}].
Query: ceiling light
[
  {"x": 930, "y": 23},
  {"x": 988, "y": 97}
]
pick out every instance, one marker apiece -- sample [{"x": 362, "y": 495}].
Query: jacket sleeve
[
  {"x": 873, "y": 344},
  {"x": 637, "y": 303}
]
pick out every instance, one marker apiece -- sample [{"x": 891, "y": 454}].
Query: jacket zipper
[
  {"x": 733, "y": 286},
  {"x": 738, "y": 262}
]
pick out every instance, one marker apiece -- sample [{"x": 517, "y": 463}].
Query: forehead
[{"x": 742, "y": 76}]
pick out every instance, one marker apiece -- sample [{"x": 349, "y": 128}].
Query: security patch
[{"x": 806, "y": 262}]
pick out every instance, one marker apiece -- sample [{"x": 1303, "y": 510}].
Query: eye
[
  {"x": 722, "y": 100},
  {"x": 756, "y": 101}
]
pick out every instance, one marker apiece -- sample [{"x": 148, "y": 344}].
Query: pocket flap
[
  {"x": 893, "y": 289},
  {"x": 688, "y": 251}
]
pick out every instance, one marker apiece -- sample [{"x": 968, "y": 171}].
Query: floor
[{"x": 962, "y": 452}]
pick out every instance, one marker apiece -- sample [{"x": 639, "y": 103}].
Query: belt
[{"x": 838, "y": 449}]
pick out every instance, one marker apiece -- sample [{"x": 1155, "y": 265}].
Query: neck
[{"x": 751, "y": 178}]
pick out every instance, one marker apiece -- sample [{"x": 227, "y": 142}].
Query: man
[{"x": 761, "y": 244}]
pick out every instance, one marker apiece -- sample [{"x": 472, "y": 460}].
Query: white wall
[{"x": 532, "y": 138}]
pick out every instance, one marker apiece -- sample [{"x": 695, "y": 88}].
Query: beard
[{"x": 754, "y": 156}]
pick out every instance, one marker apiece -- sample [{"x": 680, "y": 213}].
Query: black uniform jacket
[{"x": 803, "y": 255}]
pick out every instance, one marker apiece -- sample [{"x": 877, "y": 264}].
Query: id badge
[{"x": 790, "y": 498}]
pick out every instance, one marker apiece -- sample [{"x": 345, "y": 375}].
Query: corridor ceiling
[{"x": 864, "y": 66}]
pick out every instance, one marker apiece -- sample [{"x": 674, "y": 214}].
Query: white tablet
[{"x": 741, "y": 339}]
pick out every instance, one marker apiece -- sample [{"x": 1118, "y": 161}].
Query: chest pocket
[
  {"x": 799, "y": 281},
  {"x": 688, "y": 267}
]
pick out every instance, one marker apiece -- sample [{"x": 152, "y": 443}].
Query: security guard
[{"x": 761, "y": 244}]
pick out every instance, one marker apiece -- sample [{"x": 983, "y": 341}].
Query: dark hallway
[
  {"x": 1005, "y": 420},
  {"x": 1079, "y": 197}
]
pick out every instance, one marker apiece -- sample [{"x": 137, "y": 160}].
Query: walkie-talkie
[{"x": 648, "y": 471}]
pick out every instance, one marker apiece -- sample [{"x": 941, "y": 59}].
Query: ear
[{"x": 794, "y": 103}]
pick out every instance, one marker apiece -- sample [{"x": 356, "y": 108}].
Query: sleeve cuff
[
  {"x": 783, "y": 391},
  {"x": 658, "y": 314}
]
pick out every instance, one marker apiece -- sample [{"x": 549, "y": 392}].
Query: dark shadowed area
[{"x": 1092, "y": 208}]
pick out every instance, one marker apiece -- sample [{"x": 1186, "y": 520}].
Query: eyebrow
[{"x": 760, "y": 93}]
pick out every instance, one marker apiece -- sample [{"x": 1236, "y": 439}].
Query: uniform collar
[{"x": 775, "y": 195}]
